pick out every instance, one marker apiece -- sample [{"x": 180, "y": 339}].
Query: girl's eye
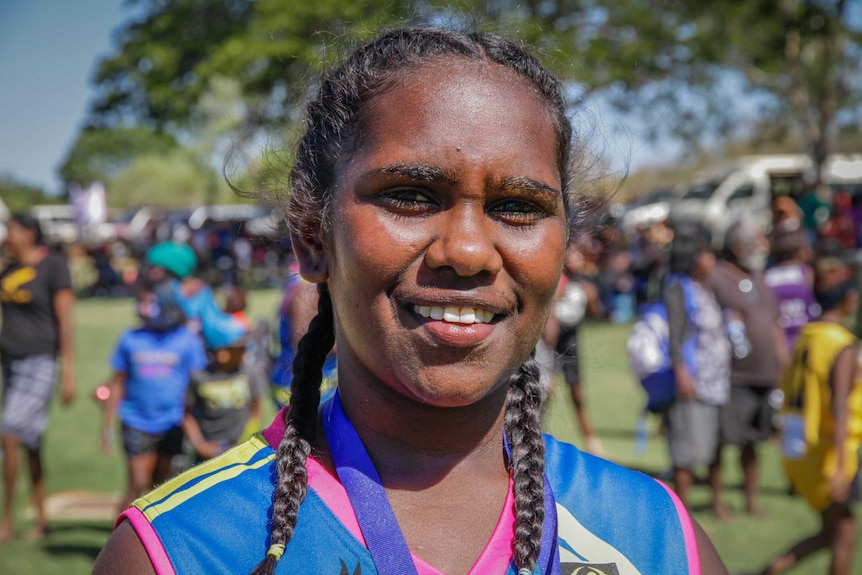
[
  {"x": 408, "y": 200},
  {"x": 517, "y": 212}
]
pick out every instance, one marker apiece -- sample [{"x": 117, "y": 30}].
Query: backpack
[{"x": 648, "y": 348}]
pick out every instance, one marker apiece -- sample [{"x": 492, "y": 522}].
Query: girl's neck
[{"x": 410, "y": 441}]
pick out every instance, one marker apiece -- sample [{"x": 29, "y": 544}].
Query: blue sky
[{"x": 48, "y": 53}]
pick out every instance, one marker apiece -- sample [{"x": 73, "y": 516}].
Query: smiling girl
[{"x": 430, "y": 202}]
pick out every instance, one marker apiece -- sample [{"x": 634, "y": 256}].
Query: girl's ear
[{"x": 308, "y": 247}]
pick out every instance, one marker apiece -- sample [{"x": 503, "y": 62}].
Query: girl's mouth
[{"x": 452, "y": 314}]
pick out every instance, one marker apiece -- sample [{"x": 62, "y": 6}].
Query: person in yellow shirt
[{"x": 822, "y": 427}]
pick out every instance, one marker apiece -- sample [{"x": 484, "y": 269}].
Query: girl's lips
[{"x": 457, "y": 334}]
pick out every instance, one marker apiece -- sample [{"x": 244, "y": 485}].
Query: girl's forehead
[{"x": 471, "y": 107}]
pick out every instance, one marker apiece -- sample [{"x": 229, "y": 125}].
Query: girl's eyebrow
[
  {"x": 418, "y": 172},
  {"x": 524, "y": 184},
  {"x": 434, "y": 174}
]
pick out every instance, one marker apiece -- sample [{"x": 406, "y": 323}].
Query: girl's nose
[{"x": 465, "y": 242}]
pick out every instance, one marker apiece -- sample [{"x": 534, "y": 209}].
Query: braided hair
[{"x": 334, "y": 122}]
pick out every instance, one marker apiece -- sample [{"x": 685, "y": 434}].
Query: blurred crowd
[{"x": 718, "y": 330}]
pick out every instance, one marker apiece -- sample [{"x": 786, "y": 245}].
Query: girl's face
[{"x": 448, "y": 235}]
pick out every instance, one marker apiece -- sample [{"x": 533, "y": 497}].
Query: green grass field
[{"x": 75, "y": 462}]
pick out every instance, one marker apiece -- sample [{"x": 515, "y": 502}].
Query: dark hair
[
  {"x": 689, "y": 241},
  {"x": 786, "y": 244},
  {"x": 171, "y": 314},
  {"x": 831, "y": 297},
  {"x": 334, "y": 122},
  {"x": 28, "y": 222}
]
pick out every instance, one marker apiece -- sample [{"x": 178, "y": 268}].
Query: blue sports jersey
[
  {"x": 214, "y": 519},
  {"x": 158, "y": 367}
]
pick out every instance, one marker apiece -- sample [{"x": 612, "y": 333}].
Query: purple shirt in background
[{"x": 792, "y": 285}]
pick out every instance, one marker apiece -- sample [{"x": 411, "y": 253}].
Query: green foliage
[
  {"x": 20, "y": 196},
  {"x": 171, "y": 180},
  {"x": 683, "y": 68},
  {"x": 100, "y": 154},
  {"x": 171, "y": 53}
]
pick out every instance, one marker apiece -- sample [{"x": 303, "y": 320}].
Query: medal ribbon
[{"x": 373, "y": 511}]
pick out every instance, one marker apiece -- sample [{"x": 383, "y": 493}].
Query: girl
[{"x": 430, "y": 202}]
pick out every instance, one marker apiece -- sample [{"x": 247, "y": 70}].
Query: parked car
[
  {"x": 652, "y": 208},
  {"x": 721, "y": 194}
]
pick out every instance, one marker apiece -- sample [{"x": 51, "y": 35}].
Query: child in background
[
  {"x": 823, "y": 428},
  {"x": 221, "y": 401},
  {"x": 152, "y": 368}
]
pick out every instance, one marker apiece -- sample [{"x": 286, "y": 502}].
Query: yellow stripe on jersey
[{"x": 232, "y": 463}]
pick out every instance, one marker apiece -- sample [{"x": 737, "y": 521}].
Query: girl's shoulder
[{"x": 616, "y": 516}]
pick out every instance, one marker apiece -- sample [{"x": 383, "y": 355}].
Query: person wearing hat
[{"x": 174, "y": 263}]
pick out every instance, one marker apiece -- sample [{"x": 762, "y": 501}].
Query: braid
[
  {"x": 524, "y": 432},
  {"x": 295, "y": 446}
]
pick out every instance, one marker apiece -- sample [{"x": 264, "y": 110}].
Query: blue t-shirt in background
[{"x": 158, "y": 367}]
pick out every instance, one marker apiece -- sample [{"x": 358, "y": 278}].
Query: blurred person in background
[
  {"x": 173, "y": 264},
  {"x": 786, "y": 215},
  {"x": 36, "y": 300},
  {"x": 822, "y": 427},
  {"x": 792, "y": 281},
  {"x": 152, "y": 365},
  {"x": 221, "y": 401},
  {"x": 297, "y": 308},
  {"x": 759, "y": 353},
  {"x": 700, "y": 357},
  {"x": 576, "y": 298}
]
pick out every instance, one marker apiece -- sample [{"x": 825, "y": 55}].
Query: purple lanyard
[{"x": 376, "y": 519}]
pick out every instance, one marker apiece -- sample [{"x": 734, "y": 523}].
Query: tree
[
  {"x": 169, "y": 180},
  {"x": 99, "y": 154},
  {"x": 172, "y": 51},
  {"x": 699, "y": 63},
  {"x": 692, "y": 69},
  {"x": 20, "y": 196}
]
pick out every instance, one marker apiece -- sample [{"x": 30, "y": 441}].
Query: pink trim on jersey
[
  {"x": 330, "y": 490},
  {"x": 144, "y": 529},
  {"x": 495, "y": 557},
  {"x": 687, "y": 531},
  {"x": 275, "y": 431}
]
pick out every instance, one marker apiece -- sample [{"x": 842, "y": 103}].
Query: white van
[{"x": 721, "y": 194}]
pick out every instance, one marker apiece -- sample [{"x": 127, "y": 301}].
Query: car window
[
  {"x": 701, "y": 191},
  {"x": 741, "y": 192}
]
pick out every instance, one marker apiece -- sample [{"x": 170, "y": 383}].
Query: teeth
[{"x": 466, "y": 315}]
